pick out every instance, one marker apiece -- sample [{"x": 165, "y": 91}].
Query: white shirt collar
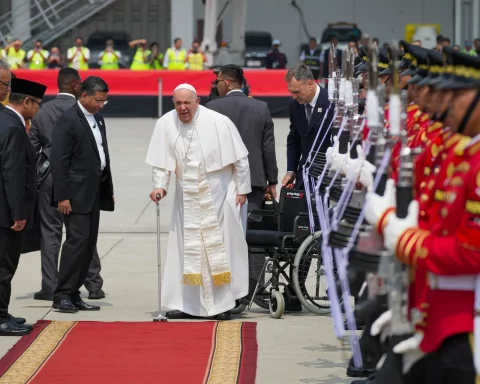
[
  {"x": 85, "y": 112},
  {"x": 18, "y": 114},
  {"x": 234, "y": 90},
  {"x": 315, "y": 98},
  {"x": 66, "y": 94}
]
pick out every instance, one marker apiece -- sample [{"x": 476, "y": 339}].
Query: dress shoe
[
  {"x": 28, "y": 327},
  {"x": 223, "y": 316},
  {"x": 65, "y": 306},
  {"x": 82, "y": 306},
  {"x": 359, "y": 372},
  {"x": 369, "y": 380},
  {"x": 178, "y": 315},
  {"x": 9, "y": 329},
  {"x": 16, "y": 320},
  {"x": 96, "y": 295},
  {"x": 43, "y": 295}
]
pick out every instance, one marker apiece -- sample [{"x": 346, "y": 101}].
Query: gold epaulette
[
  {"x": 460, "y": 147},
  {"x": 410, "y": 108},
  {"x": 434, "y": 127},
  {"x": 417, "y": 114},
  {"x": 424, "y": 118},
  {"x": 474, "y": 149}
]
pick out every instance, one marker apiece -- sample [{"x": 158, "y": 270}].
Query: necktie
[{"x": 308, "y": 109}]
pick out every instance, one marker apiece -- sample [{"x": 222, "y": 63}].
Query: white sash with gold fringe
[{"x": 202, "y": 233}]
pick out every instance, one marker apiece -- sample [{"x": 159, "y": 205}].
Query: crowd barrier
[{"x": 149, "y": 93}]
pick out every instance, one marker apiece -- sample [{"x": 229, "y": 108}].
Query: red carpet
[{"x": 134, "y": 353}]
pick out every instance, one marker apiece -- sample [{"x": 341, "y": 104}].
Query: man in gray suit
[
  {"x": 254, "y": 123},
  {"x": 51, "y": 221}
]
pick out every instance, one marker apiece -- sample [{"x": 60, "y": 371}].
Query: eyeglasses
[
  {"x": 35, "y": 101},
  {"x": 100, "y": 102},
  {"x": 7, "y": 85}
]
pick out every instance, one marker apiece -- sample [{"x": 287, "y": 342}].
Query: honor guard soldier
[{"x": 448, "y": 249}]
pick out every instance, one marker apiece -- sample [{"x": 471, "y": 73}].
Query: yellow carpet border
[
  {"x": 227, "y": 354},
  {"x": 25, "y": 367}
]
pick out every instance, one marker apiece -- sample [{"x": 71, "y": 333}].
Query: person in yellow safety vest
[
  {"x": 195, "y": 58},
  {"x": 140, "y": 59},
  {"x": 155, "y": 59},
  {"x": 175, "y": 56},
  {"x": 15, "y": 54},
  {"x": 37, "y": 57},
  {"x": 78, "y": 55},
  {"x": 108, "y": 58}
]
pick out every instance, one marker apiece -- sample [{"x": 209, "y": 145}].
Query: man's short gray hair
[
  {"x": 300, "y": 73},
  {"x": 4, "y": 65}
]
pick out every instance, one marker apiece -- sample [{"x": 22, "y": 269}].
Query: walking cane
[{"x": 160, "y": 317}]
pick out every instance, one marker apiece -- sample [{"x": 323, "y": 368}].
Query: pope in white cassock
[{"x": 206, "y": 268}]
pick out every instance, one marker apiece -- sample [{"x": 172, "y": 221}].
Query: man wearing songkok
[
  {"x": 207, "y": 257},
  {"x": 18, "y": 191}
]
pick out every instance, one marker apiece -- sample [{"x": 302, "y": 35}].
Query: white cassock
[{"x": 206, "y": 268}]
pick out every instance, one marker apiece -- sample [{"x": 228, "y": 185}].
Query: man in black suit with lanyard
[
  {"x": 307, "y": 116},
  {"x": 82, "y": 186},
  {"x": 18, "y": 190}
]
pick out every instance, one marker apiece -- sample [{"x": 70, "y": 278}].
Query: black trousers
[
  {"x": 77, "y": 252},
  {"x": 451, "y": 364},
  {"x": 256, "y": 198},
  {"x": 10, "y": 248},
  {"x": 51, "y": 225}
]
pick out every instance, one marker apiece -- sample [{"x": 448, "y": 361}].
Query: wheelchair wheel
[
  {"x": 312, "y": 292},
  {"x": 238, "y": 309},
  {"x": 262, "y": 302},
  {"x": 277, "y": 304}
]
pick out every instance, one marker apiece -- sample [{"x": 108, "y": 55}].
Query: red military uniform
[{"x": 450, "y": 245}]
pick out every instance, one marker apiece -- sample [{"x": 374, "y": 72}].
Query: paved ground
[{"x": 299, "y": 348}]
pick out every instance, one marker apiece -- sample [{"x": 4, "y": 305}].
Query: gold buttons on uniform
[
  {"x": 424, "y": 198},
  {"x": 445, "y": 232},
  {"x": 444, "y": 212}
]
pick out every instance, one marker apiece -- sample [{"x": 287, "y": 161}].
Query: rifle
[{"x": 397, "y": 276}]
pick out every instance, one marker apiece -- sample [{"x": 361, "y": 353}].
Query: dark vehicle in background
[
  {"x": 257, "y": 46},
  {"x": 344, "y": 32},
  {"x": 96, "y": 44}
]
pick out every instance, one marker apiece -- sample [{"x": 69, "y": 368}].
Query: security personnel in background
[
  {"x": 37, "y": 57},
  {"x": 108, "y": 58},
  {"x": 195, "y": 58},
  {"x": 311, "y": 57},
  {"x": 155, "y": 59},
  {"x": 15, "y": 54},
  {"x": 78, "y": 55},
  {"x": 140, "y": 59},
  {"x": 175, "y": 57}
]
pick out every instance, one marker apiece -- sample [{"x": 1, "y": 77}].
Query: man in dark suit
[
  {"x": 5, "y": 78},
  {"x": 18, "y": 190},
  {"x": 254, "y": 123},
  {"x": 307, "y": 112},
  {"x": 51, "y": 220},
  {"x": 82, "y": 185}
]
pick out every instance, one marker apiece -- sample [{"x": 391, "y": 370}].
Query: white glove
[
  {"x": 335, "y": 159},
  {"x": 376, "y": 205},
  {"x": 360, "y": 169},
  {"x": 382, "y": 325},
  {"x": 395, "y": 226},
  {"x": 332, "y": 151},
  {"x": 410, "y": 350}
]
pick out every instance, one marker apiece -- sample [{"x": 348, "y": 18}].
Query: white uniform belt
[{"x": 452, "y": 283}]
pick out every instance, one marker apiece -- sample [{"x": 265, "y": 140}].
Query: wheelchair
[{"x": 280, "y": 241}]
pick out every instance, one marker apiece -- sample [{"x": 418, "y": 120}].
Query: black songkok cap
[{"x": 29, "y": 88}]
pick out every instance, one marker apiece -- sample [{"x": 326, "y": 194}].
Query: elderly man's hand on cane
[{"x": 157, "y": 194}]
